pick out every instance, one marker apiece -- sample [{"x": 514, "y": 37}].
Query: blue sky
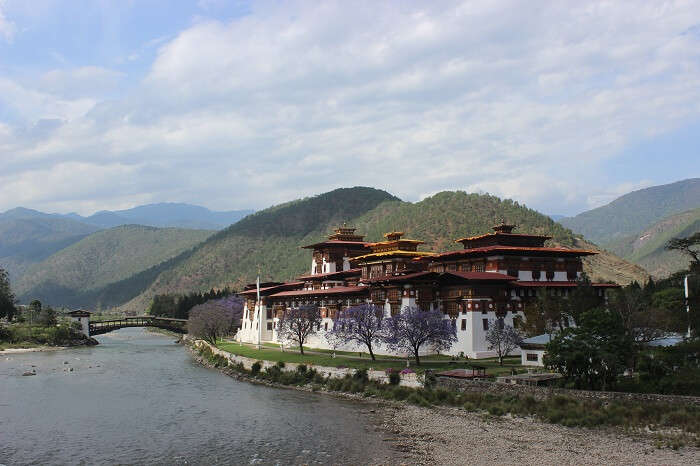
[{"x": 229, "y": 104}]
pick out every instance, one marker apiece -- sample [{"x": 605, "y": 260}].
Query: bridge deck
[{"x": 175, "y": 325}]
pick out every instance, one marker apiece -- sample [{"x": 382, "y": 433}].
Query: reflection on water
[{"x": 139, "y": 398}]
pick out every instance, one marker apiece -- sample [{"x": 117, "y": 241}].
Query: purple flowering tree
[
  {"x": 414, "y": 328},
  {"x": 299, "y": 324},
  {"x": 216, "y": 318},
  {"x": 359, "y": 325},
  {"x": 502, "y": 339}
]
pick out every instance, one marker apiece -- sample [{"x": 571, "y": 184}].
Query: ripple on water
[{"x": 148, "y": 403}]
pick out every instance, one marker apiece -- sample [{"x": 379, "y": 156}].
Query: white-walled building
[{"x": 486, "y": 282}]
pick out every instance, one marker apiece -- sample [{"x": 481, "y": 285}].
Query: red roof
[
  {"x": 482, "y": 275},
  {"x": 496, "y": 249},
  {"x": 328, "y": 291},
  {"x": 502, "y": 234},
  {"x": 272, "y": 288},
  {"x": 342, "y": 273},
  {"x": 408, "y": 276},
  {"x": 573, "y": 284},
  {"x": 336, "y": 242}
]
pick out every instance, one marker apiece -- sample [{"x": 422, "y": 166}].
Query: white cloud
[
  {"x": 7, "y": 27},
  {"x": 82, "y": 81},
  {"x": 297, "y": 98}
]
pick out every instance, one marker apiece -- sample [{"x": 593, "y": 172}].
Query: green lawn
[{"x": 272, "y": 353}]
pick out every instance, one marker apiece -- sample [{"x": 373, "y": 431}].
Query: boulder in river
[{"x": 28, "y": 373}]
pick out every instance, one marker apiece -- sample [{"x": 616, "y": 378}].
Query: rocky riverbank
[
  {"x": 448, "y": 436},
  {"x": 41, "y": 348}
]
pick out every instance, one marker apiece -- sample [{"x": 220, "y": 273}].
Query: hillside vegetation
[
  {"x": 270, "y": 240},
  {"x": 28, "y": 237},
  {"x": 635, "y": 212},
  {"x": 89, "y": 271},
  {"x": 648, "y": 247},
  {"x": 165, "y": 215}
]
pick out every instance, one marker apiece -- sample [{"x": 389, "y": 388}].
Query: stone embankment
[{"x": 407, "y": 380}]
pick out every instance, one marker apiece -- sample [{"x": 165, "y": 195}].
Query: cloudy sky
[{"x": 231, "y": 104}]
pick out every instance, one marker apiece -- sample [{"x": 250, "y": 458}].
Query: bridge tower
[{"x": 83, "y": 318}]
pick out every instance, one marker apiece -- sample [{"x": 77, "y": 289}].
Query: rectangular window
[
  {"x": 269, "y": 325},
  {"x": 394, "y": 295},
  {"x": 532, "y": 357},
  {"x": 485, "y": 323},
  {"x": 464, "y": 324}
]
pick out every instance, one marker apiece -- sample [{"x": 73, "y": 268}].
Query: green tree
[
  {"x": 592, "y": 354},
  {"x": 546, "y": 314},
  {"x": 163, "y": 306},
  {"x": 641, "y": 321},
  {"x": 47, "y": 317},
  {"x": 689, "y": 246},
  {"x": 7, "y": 297},
  {"x": 582, "y": 299}
]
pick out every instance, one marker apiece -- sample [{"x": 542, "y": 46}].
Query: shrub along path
[{"x": 353, "y": 360}]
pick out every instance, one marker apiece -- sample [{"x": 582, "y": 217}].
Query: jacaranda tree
[
  {"x": 360, "y": 325},
  {"x": 414, "y": 328},
  {"x": 215, "y": 318},
  {"x": 502, "y": 339},
  {"x": 298, "y": 324}
]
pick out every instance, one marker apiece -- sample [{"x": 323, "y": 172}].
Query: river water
[{"x": 139, "y": 398}]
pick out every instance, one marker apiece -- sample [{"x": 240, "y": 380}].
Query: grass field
[{"x": 324, "y": 358}]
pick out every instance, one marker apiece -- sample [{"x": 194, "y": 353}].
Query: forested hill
[
  {"x": 87, "y": 273},
  {"x": 636, "y": 211},
  {"x": 648, "y": 248},
  {"x": 270, "y": 240},
  {"x": 28, "y": 237}
]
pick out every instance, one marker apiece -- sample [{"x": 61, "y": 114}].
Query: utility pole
[
  {"x": 259, "y": 306},
  {"x": 687, "y": 302}
]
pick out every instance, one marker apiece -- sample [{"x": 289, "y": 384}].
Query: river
[{"x": 139, "y": 398}]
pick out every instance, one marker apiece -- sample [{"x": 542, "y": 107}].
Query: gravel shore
[
  {"x": 453, "y": 436},
  {"x": 450, "y": 436},
  {"x": 37, "y": 349}
]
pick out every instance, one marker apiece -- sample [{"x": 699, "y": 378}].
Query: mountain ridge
[
  {"x": 160, "y": 215},
  {"x": 102, "y": 259},
  {"x": 633, "y": 212},
  {"x": 269, "y": 241}
]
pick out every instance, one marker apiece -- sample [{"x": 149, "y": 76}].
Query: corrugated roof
[
  {"x": 533, "y": 250},
  {"x": 508, "y": 235},
  {"x": 336, "y": 242},
  {"x": 342, "y": 273},
  {"x": 398, "y": 252},
  {"x": 329, "y": 291},
  {"x": 272, "y": 288},
  {"x": 481, "y": 275},
  {"x": 562, "y": 284}
]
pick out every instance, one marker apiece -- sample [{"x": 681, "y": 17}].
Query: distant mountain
[
  {"x": 82, "y": 273},
  {"x": 270, "y": 240},
  {"x": 648, "y": 247},
  {"x": 557, "y": 217},
  {"x": 165, "y": 215},
  {"x": 636, "y": 211},
  {"x": 28, "y": 236}
]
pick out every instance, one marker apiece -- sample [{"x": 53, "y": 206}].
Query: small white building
[
  {"x": 532, "y": 350},
  {"x": 83, "y": 318}
]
